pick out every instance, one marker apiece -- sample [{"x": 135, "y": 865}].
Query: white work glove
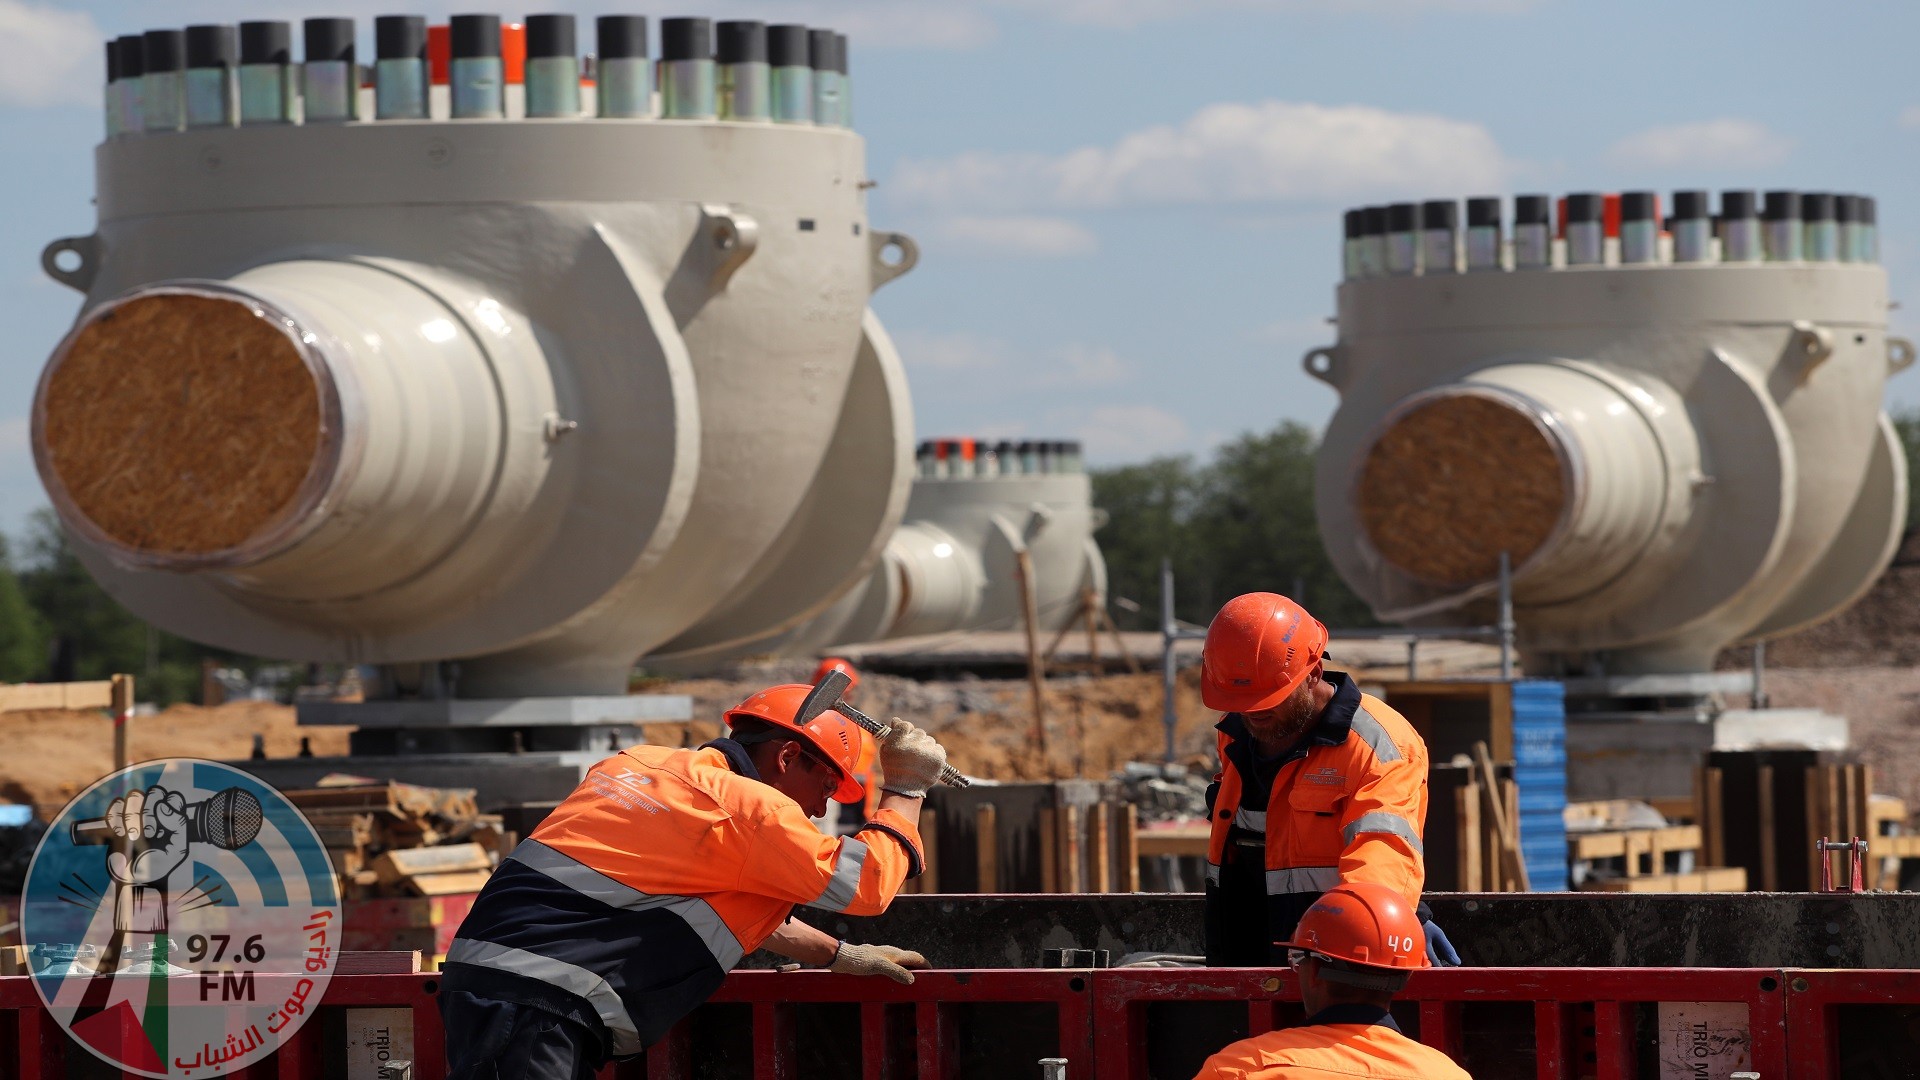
[
  {"x": 911, "y": 760},
  {"x": 878, "y": 960}
]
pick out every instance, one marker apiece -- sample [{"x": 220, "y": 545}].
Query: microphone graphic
[{"x": 228, "y": 819}]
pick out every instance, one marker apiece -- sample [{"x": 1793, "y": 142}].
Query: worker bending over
[
  {"x": 627, "y": 906},
  {"x": 1319, "y": 784},
  {"x": 1352, "y": 952}
]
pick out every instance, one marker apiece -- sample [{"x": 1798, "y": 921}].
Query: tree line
[{"x": 58, "y": 625}]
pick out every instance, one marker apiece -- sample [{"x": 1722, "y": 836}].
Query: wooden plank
[
  {"x": 73, "y": 695},
  {"x": 1184, "y": 839},
  {"x": 462, "y": 881},
  {"x": 1895, "y": 847},
  {"x": 1129, "y": 848},
  {"x": 1769, "y": 831},
  {"x": 1049, "y": 850},
  {"x": 1862, "y": 801},
  {"x": 452, "y": 858},
  {"x": 1713, "y": 817},
  {"x": 1511, "y": 788},
  {"x": 930, "y": 844},
  {"x": 1817, "y": 825},
  {"x": 1100, "y": 845},
  {"x": 986, "y": 830},
  {"x": 122, "y": 708},
  {"x": 1466, "y": 807},
  {"x": 1884, "y": 811},
  {"x": 1072, "y": 879}
]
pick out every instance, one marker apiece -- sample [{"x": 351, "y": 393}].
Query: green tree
[
  {"x": 1907, "y": 423},
  {"x": 91, "y": 636},
  {"x": 23, "y": 636},
  {"x": 1258, "y": 529},
  {"x": 1244, "y": 522},
  {"x": 1148, "y": 508}
]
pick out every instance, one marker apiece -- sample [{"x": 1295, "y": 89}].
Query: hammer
[{"x": 829, "y": 695}]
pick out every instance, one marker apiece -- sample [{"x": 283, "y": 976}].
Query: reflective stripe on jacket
[
  {"x": 1348, "y": 803},
  {"x": 662, "y": 869},
  {"x": 1338, "y": 1041}
]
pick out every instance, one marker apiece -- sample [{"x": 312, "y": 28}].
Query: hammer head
[{"x": 828, "y": 692}]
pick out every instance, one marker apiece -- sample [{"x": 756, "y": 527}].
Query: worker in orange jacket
[
  {"x": 1352, "y": 951},
  {"x": 1319, "y": 784},
  {"x": 627, "y": 906}
]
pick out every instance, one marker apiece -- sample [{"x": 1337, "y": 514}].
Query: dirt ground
[{"x": 48, "y": 756}]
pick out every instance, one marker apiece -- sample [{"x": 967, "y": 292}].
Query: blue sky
[{"x": 1128, "y": 209}]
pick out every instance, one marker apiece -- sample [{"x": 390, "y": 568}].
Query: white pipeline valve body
[
  {"x": 533, "y": 396},
  {"x": 1673, "y": 457}
]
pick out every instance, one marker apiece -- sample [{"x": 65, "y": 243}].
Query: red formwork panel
[
  {"x": 1568, "y": 1003},
  {"x": 1880, "y": 1044},
  {"x": 1800, "y": 1021},
  {"x": 917, "y": 1032},
  {"x": 33, "y": 1046}
]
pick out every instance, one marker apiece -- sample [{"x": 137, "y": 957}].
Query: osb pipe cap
[{"x": 187, "y": 426}]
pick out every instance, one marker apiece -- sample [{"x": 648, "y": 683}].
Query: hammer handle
[{"x": 949, "y": 775}]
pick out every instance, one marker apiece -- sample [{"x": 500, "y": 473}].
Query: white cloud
[
  {"x": 1226, "y": 153},
  {"x": 1910, "y": 117},
  {"x": 15, "y": 448},
  {"x": 1081, "y": 365},
  {"x": 1076, "y": 365},
  {"x": 54, "y": 57},
  {"x": 1710, "y": 144},
  {"x": 1293, "y": 332},
  {"x": 949, "y": 352},
  {"x": 1023, "y": 236},
  {"x": 1113, "y": 433}
]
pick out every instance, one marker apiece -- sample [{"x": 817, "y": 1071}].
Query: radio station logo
[{"x": 181, "y": 918}]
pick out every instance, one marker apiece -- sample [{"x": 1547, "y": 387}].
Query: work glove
[
  {"x": 1440, "y": 951},
  {"x": 878, "y": 959},
  {"x": 911, "y": 760}
]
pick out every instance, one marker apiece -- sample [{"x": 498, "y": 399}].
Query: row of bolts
[
  {"x": 215, "y": 76},
  {"x": 968, "y": 459},
  {"x": 1790, "y": 226}
]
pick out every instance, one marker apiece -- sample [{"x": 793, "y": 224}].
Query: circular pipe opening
[
  {"x": 186, "y": 427},
  {"x": 1456, "y": 480}
]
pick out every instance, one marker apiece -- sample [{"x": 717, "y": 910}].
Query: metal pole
[
  {"x": 1506, "y": 617},
  {"x": 1759, "y": 674},
  {"x": 1413, "y": 658},
  {"x": 1168, "y": 639}
]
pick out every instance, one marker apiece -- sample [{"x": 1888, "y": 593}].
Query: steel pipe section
[
  {"x": 1676, "y": 457},
  {"x": 535, "y": 398}
]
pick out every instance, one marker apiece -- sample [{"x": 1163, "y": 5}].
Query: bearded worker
[{"x": 1319, "y": 784}]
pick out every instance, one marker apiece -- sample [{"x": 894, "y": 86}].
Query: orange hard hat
[
  {"x": 1370, "y": 932},
  {"x": 834, "y": 663},
  {"x": 1259, "y": 649},
  {"x": 836, "y": 739}
]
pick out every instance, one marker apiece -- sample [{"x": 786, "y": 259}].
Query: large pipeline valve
[
  {"x": 486, "y": 361},
  {"x": 1670, "y": 428}
]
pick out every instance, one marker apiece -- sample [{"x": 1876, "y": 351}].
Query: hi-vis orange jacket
[
  {"x": 1344, "y": 1041},
  {"x": 660, "y": 871},
  {"x": 1348, "y": 802}
]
